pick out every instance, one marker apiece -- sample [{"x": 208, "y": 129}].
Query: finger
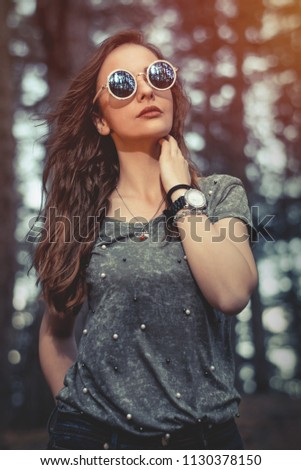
[
  {"x": 163, "y": 141},
  {"x": 172, "y": 140},
  {"x": 174, "y": 147},
  {"x": 165, "y": 149}
]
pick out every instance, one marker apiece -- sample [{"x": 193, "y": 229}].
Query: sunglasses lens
[
  {"x": 122, "y": 84},
  {"x": 161, "y": 75}
]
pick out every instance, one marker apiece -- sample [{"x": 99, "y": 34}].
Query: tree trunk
[
  {"x": 65, "y": 37},
  {"x": 260, "y": 362},
  {"x": 8, "y": 203}
]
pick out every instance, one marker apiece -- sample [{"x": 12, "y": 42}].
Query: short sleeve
[{"x": 227, "y": 197}]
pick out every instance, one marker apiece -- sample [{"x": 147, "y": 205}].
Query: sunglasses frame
[{"x": 146, "y": 74}]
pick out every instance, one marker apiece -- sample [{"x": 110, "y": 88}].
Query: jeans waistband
[{"x": 70, "y": 423}]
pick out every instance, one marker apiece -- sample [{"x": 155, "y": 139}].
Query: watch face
[{"x": 195, "y": 198}]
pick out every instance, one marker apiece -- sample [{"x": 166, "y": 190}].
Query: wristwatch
[{"x": 192, "y": 199}]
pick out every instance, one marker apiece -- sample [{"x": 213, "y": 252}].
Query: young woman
[{"x": 159, "y": 255}]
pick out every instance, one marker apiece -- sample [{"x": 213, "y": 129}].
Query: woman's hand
[
  {"x": 57, "y": 348},
  {"x": 173, "y": 166}
]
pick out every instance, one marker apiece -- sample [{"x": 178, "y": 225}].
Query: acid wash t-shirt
[{"x": 154, "y": 355}]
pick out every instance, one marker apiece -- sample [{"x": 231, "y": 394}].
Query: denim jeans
[{"x": 77, "y": 431}]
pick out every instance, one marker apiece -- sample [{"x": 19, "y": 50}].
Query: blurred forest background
[{"x": 241, "y": 64}]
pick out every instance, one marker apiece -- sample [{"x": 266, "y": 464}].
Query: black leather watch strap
[
  {"x": 173, "y": 189},
  {"x": 178, "y": 204},
  {"x": 175, "y": 207}
]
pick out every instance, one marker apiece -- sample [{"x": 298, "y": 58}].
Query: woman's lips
[{"x": 149, "y": 112}]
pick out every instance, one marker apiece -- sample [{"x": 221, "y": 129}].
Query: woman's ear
[{"x": 101, "y": 125}]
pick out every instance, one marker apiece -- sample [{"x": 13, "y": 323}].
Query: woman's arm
[
  {"x": 57, "y": 349},
  {"x": 219, "y": 254},
  {"x": 221, "y": 260}
]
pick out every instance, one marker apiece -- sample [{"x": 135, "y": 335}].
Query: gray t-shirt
[{"x": 154, "y": 355}]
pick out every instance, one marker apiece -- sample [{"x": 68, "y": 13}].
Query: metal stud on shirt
[
  {"x": 103, "y": 247},
  {"x": 103, "y": 275},
  {"x": 85, "y": 390},
  {"x": 106, "y": 446},
  {"x": 178, "y": 395},
  {"x": 129, "y": 416},
  {"x": 85, "y": 331},
  {"x": 115, "y": 336},
  {"x": 143, "y": 326}
]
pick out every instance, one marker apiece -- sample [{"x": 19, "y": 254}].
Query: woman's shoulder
[
  {"x": 220, "y": 180},
  {"x": 219, "y": 187}
]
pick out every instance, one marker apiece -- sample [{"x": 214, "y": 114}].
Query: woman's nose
[{"x": 144, "y": 90}]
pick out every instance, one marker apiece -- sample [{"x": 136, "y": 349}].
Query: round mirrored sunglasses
[{"x": 122, "y": 84}]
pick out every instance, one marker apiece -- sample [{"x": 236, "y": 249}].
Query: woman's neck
[{"x": 139, "y": 175}]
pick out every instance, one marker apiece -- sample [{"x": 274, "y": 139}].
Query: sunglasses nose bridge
[
  {"x": 140, "y": 74},
  {"x": 142, "y": 83},
  {"x": 145, "y": 78}
]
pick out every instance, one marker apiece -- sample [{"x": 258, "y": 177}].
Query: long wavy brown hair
[{"x": 81, "y": 171}]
